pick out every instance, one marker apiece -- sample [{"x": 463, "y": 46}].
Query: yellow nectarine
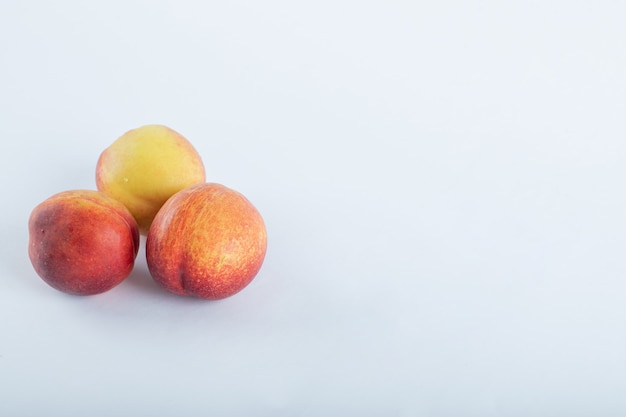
[{"x": 146, "y": 166}]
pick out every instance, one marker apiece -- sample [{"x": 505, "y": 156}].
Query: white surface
[{"x": 443, "y": 185}]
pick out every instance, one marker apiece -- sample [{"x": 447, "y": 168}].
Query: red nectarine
[
  {"x": 206, "y": 241},
  {"x": 82, "y": 242}
]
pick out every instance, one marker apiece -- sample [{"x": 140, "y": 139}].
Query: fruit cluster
[{"x": 203, "y": 239}]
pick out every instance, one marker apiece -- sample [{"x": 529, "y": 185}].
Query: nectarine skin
[
  {"x": 207, "y": 241},
  {"x": 82, "y": 242}
]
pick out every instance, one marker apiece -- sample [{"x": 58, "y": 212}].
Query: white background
[{"x": 443, "y": 185}]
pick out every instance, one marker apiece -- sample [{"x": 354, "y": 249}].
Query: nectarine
[
  {"x": 207, "y": 241},
  {"x": 146, "y": 166},
  {"x": 82, "y": 242}
]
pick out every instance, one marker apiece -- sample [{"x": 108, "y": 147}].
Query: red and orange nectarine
[
  {"x": 207, "y": 241},
  {"x": 82, "y": 242}
]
